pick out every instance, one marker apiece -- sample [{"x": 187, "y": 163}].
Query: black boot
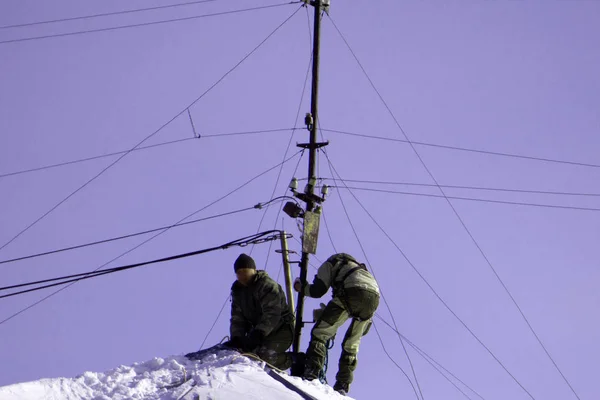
[
  {"x": 298, "y": 361},
  {"x": 311, "y": 373},
  {"x": 315, "y": 359},
  {"x": 342, "y": 388}
]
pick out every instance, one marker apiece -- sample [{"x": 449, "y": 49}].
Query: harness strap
[
  {"x": 339, "y": 285},
  {"x": 353, "y": 270}
]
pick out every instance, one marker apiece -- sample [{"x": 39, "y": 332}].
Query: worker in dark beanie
[
  {"x": 244, "y": 261},
  {"x": 261, "y": 321}
]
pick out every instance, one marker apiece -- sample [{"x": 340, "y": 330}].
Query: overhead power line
[
  {"x": 257, "y": 207},
  {"x": 156, "y": 131},
  {"x": 328, "y": 231},
  {"x": 243, "y": 133},
  {"x": 113, "y": 28},
  {"x": 216, "y": 319},
  {"x": 307, "y": 74},
  {"x": 432, "y": 361},
  {"x": 226, "y": 134},
  {"x": 492, "y": 153},
  {"x": 414, "y": 268},
  {"x": 392, "y": 359},
  {"x": 482, "y": 188},
  {"x": 252, "y": 239},
  {"x": 515, "y": 203},
  {"x": 467, "y": 230},
  {"x": 24, "y": 171},
  {"x": 215, "y": 135},
  {"x": 21, "y": 311},
  {"x": 333, "y": 173},
  {"x": 107, "y": 14}
]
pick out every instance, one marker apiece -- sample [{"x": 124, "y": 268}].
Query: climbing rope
[{"x": 323, "y": 374}]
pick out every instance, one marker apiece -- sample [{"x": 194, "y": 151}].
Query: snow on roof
[{"x": 225, "y": 375}]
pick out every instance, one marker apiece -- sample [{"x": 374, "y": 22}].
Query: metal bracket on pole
[
  {"x": 310, "y": 234},
  {"x": 312, "y": 145}
]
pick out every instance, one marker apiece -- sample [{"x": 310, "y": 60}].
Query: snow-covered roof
[{"x": 224, "y": 375}]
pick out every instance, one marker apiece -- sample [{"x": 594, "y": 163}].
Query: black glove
[
  {"x": 253, "y": 340},
  {"x": 235, "y": 342}
]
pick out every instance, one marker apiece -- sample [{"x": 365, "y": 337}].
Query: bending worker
[{"x": 355, "y": 296}]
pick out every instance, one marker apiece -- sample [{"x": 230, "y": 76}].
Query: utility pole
[
  {"x": 287, "y": 271},
  {"x": 311, "y": 218}
]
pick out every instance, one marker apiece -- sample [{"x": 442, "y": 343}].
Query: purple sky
[{"x": 517, "y": 77}]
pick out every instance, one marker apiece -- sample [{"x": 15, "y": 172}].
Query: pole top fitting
[{"x": 324, "y": 4}]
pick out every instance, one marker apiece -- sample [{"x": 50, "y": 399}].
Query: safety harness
[{"x": 338, "y": 286}]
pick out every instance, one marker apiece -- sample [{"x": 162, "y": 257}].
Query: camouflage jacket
[
  {"x": 261, "y": 305},
  {"x": 336, "y": 272}
]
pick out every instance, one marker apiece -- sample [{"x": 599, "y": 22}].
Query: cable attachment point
[
  {"x": 293, "y": 184},
  {"x": 306, "y": 196},
  {"x": 324, "y": 4},
  {"x": 196, "y": 134},
  {"x": 309, "y": 121}
]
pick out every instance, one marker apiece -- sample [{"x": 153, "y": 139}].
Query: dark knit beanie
[{"x": 244, "y": 261}]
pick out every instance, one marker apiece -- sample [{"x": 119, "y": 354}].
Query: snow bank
[{"x": 225, "y": 375}]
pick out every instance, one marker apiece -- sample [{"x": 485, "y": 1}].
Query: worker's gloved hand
[
  {"x": 235, "y": 342},
  {"x": 297, "y": 284},
  {"x": 253, "y": 340},
  {"x": 317, "y": 312}
]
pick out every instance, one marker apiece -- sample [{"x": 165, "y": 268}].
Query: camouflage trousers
[
  {"x": 360, "y": 305},
  {"x": 273, "y": 348}
]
